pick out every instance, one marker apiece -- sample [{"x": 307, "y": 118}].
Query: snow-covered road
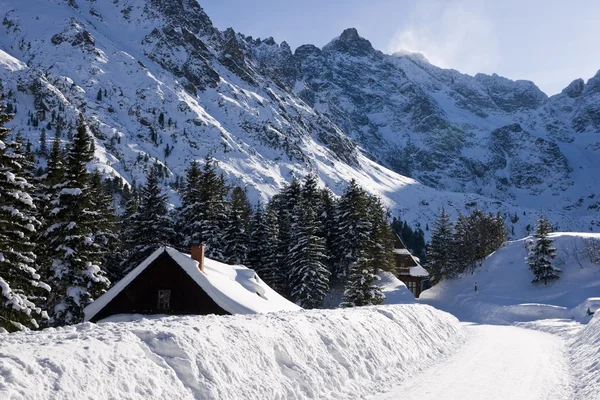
[{"x": 497, "y": 362}]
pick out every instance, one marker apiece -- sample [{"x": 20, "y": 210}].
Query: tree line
[
  {"x": 460, "y": 246},
  {"x": 62, "y": 243}
]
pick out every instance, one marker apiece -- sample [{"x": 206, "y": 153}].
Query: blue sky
[{"x": 550, "y": 42}]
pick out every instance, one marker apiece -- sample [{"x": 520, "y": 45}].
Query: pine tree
[
  {"x": 74, "y": 263},
  {"x": 360, "y": 290},
  {"x": 236, "y": 235},
  {"x": 191, "y": 210},
  {"x": 541, "y": 254},
  {"x": 104, "y": 223},
  {"x": 284, "y": 205},
  {"x": 43, "y": 144},
  {"x": 381, "y": 243},
  {"x": 439, "y": 253},
  {"x": 352, "y": 230},
  {"x": 262, "y": 252},
  {"x": 213, "y": 216},
  {"x": 308, "y": 274},
  {"x": 21, "y": 290},
  {"x": 150, "y": 227},
  {"x": 99, "y": 95}
]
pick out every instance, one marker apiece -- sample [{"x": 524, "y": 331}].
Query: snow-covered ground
[
  {"x": 585, "y": 356},
  {"x": 498, "y": 362},
  {"x": 506, "y": 295},
  {"x": 334, "y": 354}
]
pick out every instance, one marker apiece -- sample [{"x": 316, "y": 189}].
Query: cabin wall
[{"x": 141, "y": 295}]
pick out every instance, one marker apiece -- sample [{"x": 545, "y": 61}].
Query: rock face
[{"x": 173, "y": 88}]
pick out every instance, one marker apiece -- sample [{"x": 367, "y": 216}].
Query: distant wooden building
[
  {"x": 408, "y": 268},
  {"x": 173, "y": 283}
]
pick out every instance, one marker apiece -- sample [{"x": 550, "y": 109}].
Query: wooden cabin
[
  {"x": 173, "y": 283},
  {"x": 408, "y": 268}
]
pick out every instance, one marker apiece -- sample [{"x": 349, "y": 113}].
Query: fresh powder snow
[{"x": 333, "y": 354}]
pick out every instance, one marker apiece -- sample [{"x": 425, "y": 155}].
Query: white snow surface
[
  {"x": 339, "y": 354},
  {"x": 585, "y": 350},
  {"x": 234, "y": 288},
  {"x": 498, "y": 362},
  {"x": 394, "y": 289},
  {"x": 506, "y": 295}
]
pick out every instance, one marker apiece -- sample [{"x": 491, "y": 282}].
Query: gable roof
[
  {"x": 400, "y": 249},
  {"x": 235, "y": 288}
]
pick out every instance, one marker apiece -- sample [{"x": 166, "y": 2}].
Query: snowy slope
[
  {"x": 505, "y": 293},
  {"x": 585, "y": 350},
  {"x": 260, "y": 109},
  {"x": 341, "y": 354}
]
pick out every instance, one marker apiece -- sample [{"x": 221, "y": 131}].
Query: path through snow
[{"x": 497, "y": 362}]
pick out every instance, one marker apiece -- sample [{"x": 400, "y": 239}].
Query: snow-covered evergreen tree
[
  {"x": 308, "y": 274},
  {"x": 150, "y": 226},
  {"x": 74, "y": 261},
  {"x": 283, "y": 204},
  {"x": 191, "y": 211},
  {"x": 236, "y": 235},
  {"x": 360, "y": 289},
  {"x": 106, "y": 237},
  {"x": 21, "y": 290},
  {"x": 381, "y": 243},
  {"x": 439, "y": 253},
  {"x": 263, "y": 245},
  {"x": 541, "y": 254},
  {"x": 352, "y": 230},
  {"x": 213, "y": 212}
]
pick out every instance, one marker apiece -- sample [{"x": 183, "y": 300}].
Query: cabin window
[
  {"x": 412, "y": 286},
  {"x": 164, "y": 299}
]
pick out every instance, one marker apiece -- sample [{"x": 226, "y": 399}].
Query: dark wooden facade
[
  {"x": 404, "y": 261},
  {"x": 164, "y": 274}
]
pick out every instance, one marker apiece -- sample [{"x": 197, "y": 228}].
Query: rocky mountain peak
[
  {"x": 351, "y": 43},
  {"x": 593, "y": 84},
  {"x": 575, "y": 88}
]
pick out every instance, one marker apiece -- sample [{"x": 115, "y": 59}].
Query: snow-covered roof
[
  {"x": 418, "y": 271},
  {"x": 402, "y": 251},
  {"x": 235, "y": 288}
]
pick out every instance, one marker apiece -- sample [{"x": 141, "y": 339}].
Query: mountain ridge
[{"x": 266, "y": 113}]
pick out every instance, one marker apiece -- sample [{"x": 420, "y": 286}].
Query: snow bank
[
  {"x": 394, "y": 290},
  {"x": 338, "y": 354},
  {"x": 506, "y": 295},
  {"x": 585, "y": 351}
]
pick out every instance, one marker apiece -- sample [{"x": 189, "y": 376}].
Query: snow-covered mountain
[{"x": 157, "y": 82}]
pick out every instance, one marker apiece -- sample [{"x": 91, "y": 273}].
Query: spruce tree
[
  {"x": 308, "y": 274},
  {"x": 236, "y": 235},
  {"x": 150, "y": 227},
  {"x": 43, "y": 144},
  {"x": 541, "y": 254},
  {"x": 381, "y": 243},
  {"x": 105, "y": 224},
  {"x": 439, "y": 253},
  {"x": 360, "y": 289},
  {"x": 284, "y": 205},
  {"x": 262, "y": 253},
  {"x": 351, "y": 236},
  {"x": 191, "y": 211},
  {"x": 74, "y": 262},
  {"x": 21, "y": 289},
  {"x": 213, "y": 216}
]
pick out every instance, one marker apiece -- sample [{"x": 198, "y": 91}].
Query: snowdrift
[
  {"x": 394, "y": 289},
  {"x": 585, "y": 351},
  {"x": 506, "y": 295},
  {"x": 338, "y": 354}
]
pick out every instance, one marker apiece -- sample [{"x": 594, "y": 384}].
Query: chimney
[{"x": 197, "y": 253}]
